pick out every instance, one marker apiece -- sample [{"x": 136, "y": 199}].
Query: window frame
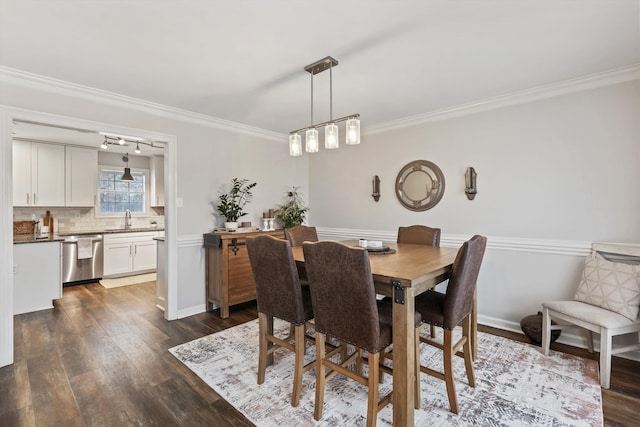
[{"x": 109, "y": 168}]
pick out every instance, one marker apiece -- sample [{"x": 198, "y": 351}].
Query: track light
[{"x": 137, "y": 148}]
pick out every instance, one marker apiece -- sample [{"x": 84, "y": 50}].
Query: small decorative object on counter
[
  {"x": 232, "y": 202},
  {"x": 153, "y": 224}
]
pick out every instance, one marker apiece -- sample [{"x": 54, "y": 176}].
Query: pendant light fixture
[
  {"x": 126, "y": 176},
  {"x": 331, "y": 132}
]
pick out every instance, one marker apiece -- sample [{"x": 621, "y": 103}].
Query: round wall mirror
[{"x": 420, "y": 185}]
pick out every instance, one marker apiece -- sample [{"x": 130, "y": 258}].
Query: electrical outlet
[{"x": 15, "y": 269}]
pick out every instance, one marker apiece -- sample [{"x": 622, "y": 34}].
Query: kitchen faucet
[{"x": 127, "y": 219}]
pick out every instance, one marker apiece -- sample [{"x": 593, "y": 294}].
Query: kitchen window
[{"x": 117, "y": 196}]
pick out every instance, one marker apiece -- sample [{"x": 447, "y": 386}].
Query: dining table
[{"x": 402, "y": 272}]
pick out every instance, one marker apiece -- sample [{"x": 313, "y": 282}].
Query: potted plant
[
  {"x": 293, "y": 211},
  {"x": 153, "y": 223},
  {"x": 232, "y": 202}
]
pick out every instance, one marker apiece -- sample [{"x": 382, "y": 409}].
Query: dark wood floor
[{"x": 100, "y": 358}]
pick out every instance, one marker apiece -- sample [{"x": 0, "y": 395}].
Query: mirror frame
[{"x": 437, "y": 190}]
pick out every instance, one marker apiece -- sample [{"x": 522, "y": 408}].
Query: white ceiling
[{"x": 243, "y": 60}]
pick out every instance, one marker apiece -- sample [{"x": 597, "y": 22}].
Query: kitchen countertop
[
  {"x": 119, "y": 230},
  {"x": 29, "y": 238}
]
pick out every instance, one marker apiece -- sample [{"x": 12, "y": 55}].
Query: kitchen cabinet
[
  {"x": 38, "y": 174},
  {"x": 81, "y": 176},
  {"x": 129, "y": 253},
  {"x": 229, "y": 279},
  {"x": 156, "y": 181},
  {"x": 37, "y": 275}
]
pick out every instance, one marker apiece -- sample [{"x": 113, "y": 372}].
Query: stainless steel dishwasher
[{"x": 84, "y": 263}]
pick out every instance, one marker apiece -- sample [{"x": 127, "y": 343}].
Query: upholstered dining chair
[
  {"x": 345, "y": 308},
  {"x": 419, "y": 235},
  {"x": 279, "y": 294},
  {"x": 606, "y": 302},
  {"x": 452, "y": 309},
  {"x": 296, "y": 235},
  {"x": 300, "y": 233}
]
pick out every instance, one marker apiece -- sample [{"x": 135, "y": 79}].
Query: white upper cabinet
[
  {"x": 22, "y": 174},
  {"x": 38, "y": 174},
  {"x": 156, "y": 180},
  {"x": 81, "y": 176}
]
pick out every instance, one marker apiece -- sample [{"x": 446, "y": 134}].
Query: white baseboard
[
  {"x": 569, "y": 338},
  {"x": 190, "y": 311}
]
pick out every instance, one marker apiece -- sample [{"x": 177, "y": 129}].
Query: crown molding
[
  {"x": 606, "y": 78},
  {"x": 36, "y": 81}
]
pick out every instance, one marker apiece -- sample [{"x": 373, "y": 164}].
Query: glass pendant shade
[
  {"x": 331, "y": 136},
  {"x": 311, "y": 138},
  {"x": 295, "y": 145},
  {"x": 353, "y": 132},
  {"x": 127, "y": 177}
]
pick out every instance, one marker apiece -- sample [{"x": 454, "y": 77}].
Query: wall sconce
[
  {"x": 470, "y": 183},
  {"x": 376, "y": 188}
]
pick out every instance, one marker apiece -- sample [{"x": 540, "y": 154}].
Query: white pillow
[{"x": 614, "y": 286}]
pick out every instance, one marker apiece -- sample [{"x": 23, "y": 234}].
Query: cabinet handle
[
  {"x": 28, "y": 198},
  {"x": 35, "y": 200},
  {"x": 135, "y": 250},
  {"x": 130, "y": 253}
]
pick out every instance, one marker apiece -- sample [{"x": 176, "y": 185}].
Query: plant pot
[{"x": 231, "y": 225}]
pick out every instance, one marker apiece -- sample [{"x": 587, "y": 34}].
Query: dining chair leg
[
  {"x": 299, "y": 364},
  {"x": 448, "y": 370},
  {"x": 432, "y": 330},
  {"x": 466, "y": 349},
  {"x": 374, "y": 373},
  {"x": 320, "y": 376},
  {"x": 605, "y": 357},
  {"x": 417, "y": 369},
  {"x": 546, "y": 331},
  {"x": 263, "y": 346}
]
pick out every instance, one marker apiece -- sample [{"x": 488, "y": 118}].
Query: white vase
[{"x": 231, "y": 225}]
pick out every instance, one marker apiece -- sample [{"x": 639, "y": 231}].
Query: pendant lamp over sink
[
  {"x": 126, "y": 176},
  {"x": 331, "y": 132}
]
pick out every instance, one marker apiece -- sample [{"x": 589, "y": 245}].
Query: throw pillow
[{"x": 614, "y": 286}]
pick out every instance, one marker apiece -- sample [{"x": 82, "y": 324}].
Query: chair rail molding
[{"x": 545, "y": 246}]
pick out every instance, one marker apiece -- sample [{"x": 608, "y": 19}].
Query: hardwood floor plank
[
  {"x": 14, "y": 382},
  {"x": 22, "y": 417},
  {"x": 144, "y": 359},
  {"x": 52, "y": 398}
]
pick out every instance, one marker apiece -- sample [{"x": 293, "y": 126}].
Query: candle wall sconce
[
  {"x": 376, "y": 188},
  {"x": 470, "y": 183}
]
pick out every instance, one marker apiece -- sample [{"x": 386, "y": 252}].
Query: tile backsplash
[{"x": 70, "y": 220}]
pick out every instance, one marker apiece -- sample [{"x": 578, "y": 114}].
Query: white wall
[{"x": 554, "y": 175}]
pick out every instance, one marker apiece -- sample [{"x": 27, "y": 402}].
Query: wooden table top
[{"x": 411, "y": 264}]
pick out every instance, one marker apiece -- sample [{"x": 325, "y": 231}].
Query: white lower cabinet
[
  {"x": 37, "y": 275},
  {"x": 129, "y": 253}
]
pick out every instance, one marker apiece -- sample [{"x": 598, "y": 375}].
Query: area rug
[
  {"x": 515, "y": 385},
  {"x": 128, "y": 280}
]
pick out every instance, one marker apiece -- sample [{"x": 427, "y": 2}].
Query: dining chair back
[
  {"x": 606, "y": 302},
  {"x": 300, "y": 233},
  {"x": 279, "y": 294},
  {"x": 346, "y": 308},
  {"x": 452, "y": 309},
  {"x": 419, "y": 235}
]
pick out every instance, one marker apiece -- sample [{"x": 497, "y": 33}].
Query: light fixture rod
[
  {"x": 341, "y": 119},
  {"x": 311, "y": 99},
  {"x": 330, "y": 92}
]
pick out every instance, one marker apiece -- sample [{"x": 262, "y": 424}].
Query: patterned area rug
[{"x": 515, "y": 385}]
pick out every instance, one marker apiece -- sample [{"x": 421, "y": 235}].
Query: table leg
[{"x": 403, "y": 357}]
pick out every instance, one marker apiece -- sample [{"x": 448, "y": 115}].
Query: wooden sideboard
[{"x": 229, "y": 278}]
